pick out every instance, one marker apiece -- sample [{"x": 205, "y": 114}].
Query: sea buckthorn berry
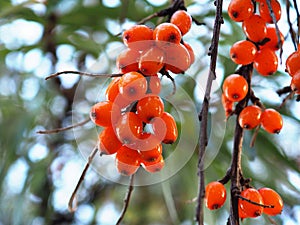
[
  {"x": 271, "y": 121},
  {"x": 127, "y": 161},
  {"x": 249, "y": 117},
  {"x": 235, "y": 87},
  {"x": 150, "y": 107},
  {"x": 265, "y": 13},
  {"x": 151, "y": 155},
  {"x": 292, "y": 63},
  {"x": 295, "y": 83},
  {"x": 266, "y": 62},
  {"x": 137, "y": 33},
  {"x": 182, "y": 20},
  {"x": 146, "y": 142},
  {"x": 255, "y": 28},
  {"x": 239, "y": 10},
  {"x": 108, "y": 141},
  {"x": 250, "y": 209},
  {"x": 154, "y": 166},
  {"x": 154, "y": 85},
  {"x": 191, "y": 52},
  {"x": 271, "y": 198},
  {"x": 177, "y": 58},
  {"x": 242, "y": 214},
  {"x": 273, "y": 39},
  {"x": 215, "y": 195},
  {"x": 101, "y": 113},
  {"x": 132, "y": 86},
  {"x": 243, "y": 52},
  {"x": 127, "y": 61},
  {"x": 227, "y": 105},
  {"x": 167, "y": 32},
  {"x": 112, "y": 90},
  {"x": 165, "y": 128},
  {"x": 129, "y": 128},
  {"x": 151, "y": 61}
]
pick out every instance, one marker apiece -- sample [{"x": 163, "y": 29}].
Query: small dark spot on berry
[{"x": 235, "y": 14}]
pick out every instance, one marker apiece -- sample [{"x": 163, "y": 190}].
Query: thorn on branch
[
  {"x": 284, "y": 90},
  {"x": 82, "y": 74},
  {"x": 254, "y": 203}
]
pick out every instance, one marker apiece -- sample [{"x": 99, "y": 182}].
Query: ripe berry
[
  {"x": 150, "y": 107},
  {"x": 165, "y": 128},
  {"x": 239, "y": 10},
  {"x": 227, "y": 105},
  {"x": 112, "y": 90},
  {"x": 250, "y": 209},
  {"x": 127, "y": 61},
  {"x": 249, "y": 117},
  {"x": 271, "y": 198},
  {"x": 266, "y": 62},
  {"x": 295, "y": 83},
  {"x": 271, "y": 121},
  {"x": 154, "y": 166},
  {"x": 132, "y": 86},
  {"x": 191, "y": 52},
  {"x": 151, "y": 155},
  {"x": 292, "y": 63},
  {"x": 243, "y": 52},
  {"x": 137, "y": 33},
  {"x": 242, "y": 213},
  {"x": 129, "y": 128},
  {"x": 127, "y": 161},
  {"x": 255, "y": 28},
  {"x": 182, "y": 20},
  {"x": 215, "y": 195},
  {"x": 153, "y": 85},
  {"x": 151, "y": 61},
  {"x": 177, "y": 58},
  {"x": 235, "y": 87},
  {"x": 265, "y": 13},
  {"x": 273, "y": 39},
  {"x": 167, "y": 32},
  {"x": 101, "y": 113},
  {"x": 108, "y": 141}
]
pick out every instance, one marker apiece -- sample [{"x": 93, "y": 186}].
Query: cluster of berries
[
  {"x": 252, "y": 202},
  {"x": 293, "y": 68},
  {"x": 135, "y": 123},
  {"x": 235, "y": 88},
  {"x": 262, "y": 38}
]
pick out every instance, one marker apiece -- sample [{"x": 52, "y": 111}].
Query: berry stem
[
  {"x": 203, "y": 115},
  {"x": 82, "y": 74}
]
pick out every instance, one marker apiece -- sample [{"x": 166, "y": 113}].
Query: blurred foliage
[{"x": 38, "y": 38}]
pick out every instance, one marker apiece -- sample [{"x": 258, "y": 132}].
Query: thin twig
[
  {"x": 255, "y": 203},
  {"x": 126, "y": 200},
  {"x": 57, "y": 130},
  {"x": 87, "y": 165},
  {"x": 203, "y": 115},
  {"x": 254, "y": 136},
  {"x": 83, "y": 74},
  {"x": 167, "y": 74},
  {"x": 272, "y": 221},
  {"x": 298, "y": 19},
  {"x": 291, "y": 30}
]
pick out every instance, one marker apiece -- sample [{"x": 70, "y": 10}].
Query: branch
[
  {"x": 126, "y": 200},
  {"x": 82, "y": 74},
  {"x": 87, "y": 165},
  {"x": 291, "y": 31},
  {"x": 255, "y": 203},
  {"x": 57, "y": 130},
  {"x": 203, "y": 116}
]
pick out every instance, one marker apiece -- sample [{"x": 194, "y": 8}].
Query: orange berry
[
  {"x": 154, "y": 166},
  {"x": 271, "y": 198},
  {"x": 250, "y": 209},
  {"x": 127, "y": 161},
  {"x": 150, "y": 107},
  {"x": 182, "y": 20},
  {"x": 271, "y": 121},
  {"x": 151, "y": 155},
  {"x": 127, "y": 61},
  {"x": 215, "y": 195},
  {"x": 167, "y": 32},
  {"x": 132, "y": 86},
  {"x": 239, "y": 10},
  {"x": 146, "y": 142},
  {"x": 235, "y": 87},
  {"x": 165, "y": 128},
  {"x": 137, "y": 33},
  {"x": 249, "y": 117},
  {"x": 101, "y": 113},
  {"x": 295, "y": 83},
  {"x": 191, "y": 52},
  {"x": 265, "y": 13},
  {"x": 266, "y": 62},
  {"x": 255, "y": 28},
  {"x": 108, "y": 141},
  {"x": 227, "y": 105},
  {"x": 242, "y": 213},
  {"x": 151, "y": 61},
  {"x": 154, "y": 85},
  {"x": 273, "y": 40},
  {"x": 243, "y": 52},
  {"x": 292, "y": 63},
  {"x": 177, "y": 58},
  {"x": 129, "y": 128},
  {"x": 112, "y": 90}
]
